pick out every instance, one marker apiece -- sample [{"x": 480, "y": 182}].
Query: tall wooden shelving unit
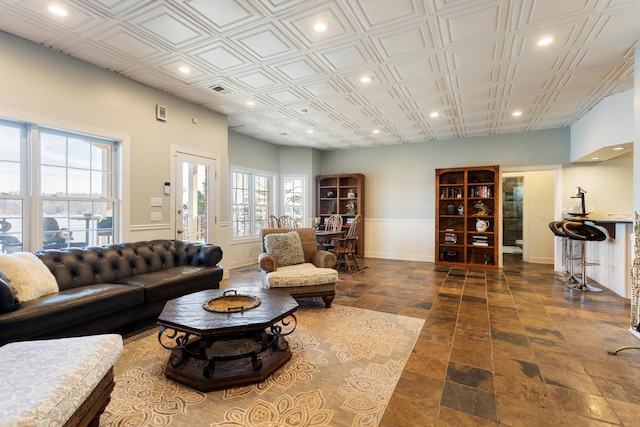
[
  {"x": 460, "y": 193},
  {"x": 342, "y": 194}
]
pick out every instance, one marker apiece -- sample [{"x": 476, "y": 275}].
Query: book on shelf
[
  {"x": 481, "y": 191},
  {"x": 450, "y": 238},
  {"x": 480, "y": 240}
]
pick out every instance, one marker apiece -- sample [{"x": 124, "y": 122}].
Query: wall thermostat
[
  {"x": 161, "y": 113},
  {"x": 167, "y": 187}
]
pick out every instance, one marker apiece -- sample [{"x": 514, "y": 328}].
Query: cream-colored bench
[
  {"x": 312, "y": 276},
  {"x": 57, "y": 382}
]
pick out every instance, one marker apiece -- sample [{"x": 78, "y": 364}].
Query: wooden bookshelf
[{"x": 466, "y": 213}]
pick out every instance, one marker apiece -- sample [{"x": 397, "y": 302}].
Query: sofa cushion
[
  {"x": 67, "y": 308},
  {"x": 28, "y": 277},
  {"x": 66, "y": 371},
  {"x": 175, "y": 282},
  {"x": 286, "y": 248},
  {"x": 300, "y": 275}
]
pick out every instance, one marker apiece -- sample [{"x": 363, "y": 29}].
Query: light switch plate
[
  {"x": 156, "y": 216},
  {"x": 156, "y": 202}
]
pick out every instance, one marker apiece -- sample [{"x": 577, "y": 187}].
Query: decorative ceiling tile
[
  {"x": 24, "y": 27},
  {"x": 405, "y": 41},
  {"x": 345, "y": 57},
  {"x": 321, "y": 89},
  {"x": 121, "y": 41},
  {"x": 164, "y": 25},
  {"x": 473, "y": 24},
  {"x": 257, "y": 79},
  {"x": 224, "y": 15},
  {"x": 297, "y": 68},
  {"x": 266, "y": 42},
  {"x": 302, "y": 24},
  {"x": 286, "y": 96},
  {"x": 372, "y": 13},
  {"x": 220, "y": 57}
]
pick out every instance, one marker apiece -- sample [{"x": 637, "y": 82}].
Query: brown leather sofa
[{"x": 109, "y": 288}]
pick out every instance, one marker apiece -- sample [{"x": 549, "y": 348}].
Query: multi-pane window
[
  {"x": 293, "y": 198},
  {"x": 12, "y": 185},
  {"x": 71, "y": 194},
  {"x": 252, "y": 201}
]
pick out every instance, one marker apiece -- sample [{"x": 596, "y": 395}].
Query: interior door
[{"x": 194, "y": 198}]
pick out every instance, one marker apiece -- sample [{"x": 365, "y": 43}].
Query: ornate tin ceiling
[{"x": 474, "y": 62}]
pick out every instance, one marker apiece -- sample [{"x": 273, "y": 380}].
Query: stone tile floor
[{"x": 507, "y": 347}]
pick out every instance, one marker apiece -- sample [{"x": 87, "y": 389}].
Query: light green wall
[
  {"x": 400, "y": 179},
  {"x": 253, "y": 153}
]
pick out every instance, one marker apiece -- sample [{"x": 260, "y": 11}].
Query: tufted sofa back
[{"x": 73, "y": 267}]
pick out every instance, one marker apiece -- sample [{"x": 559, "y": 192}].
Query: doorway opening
[{"x": 512, "y": 214}]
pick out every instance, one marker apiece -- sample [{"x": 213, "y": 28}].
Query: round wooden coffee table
[{"x": 218, "y": 341}]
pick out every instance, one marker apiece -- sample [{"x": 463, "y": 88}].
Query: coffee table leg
[{"x": 272, "y": 351}]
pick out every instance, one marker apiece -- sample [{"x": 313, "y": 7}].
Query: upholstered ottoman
[{"x": 57, "y": 382}]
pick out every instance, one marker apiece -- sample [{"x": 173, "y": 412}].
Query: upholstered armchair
[{"x": 291, "y": 261}]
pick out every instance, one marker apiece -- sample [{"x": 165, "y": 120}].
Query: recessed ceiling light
[
  {"x": 545, "y": 41},
  {"x": 310, "y": 131},
  {"x": 57, "y": 10},
  {"x": 185, "y": 70},
  {"x": 595, "y": 158},
  {"x": 320, "y": 27},
  {"x": 376, "y": 131},
  {"x": 618, "y": 148},
  {"x": 434, "y": 114},
  {"x": 516, "y": 113},
  {"x": 366, "y": 79},
  {"x": 251, "y": 103}
]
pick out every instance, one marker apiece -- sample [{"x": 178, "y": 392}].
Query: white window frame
[
  {"x": 271, "y": 207},
  {"x": 287, "y": 209},
  {"x": 30, "y": 191}
]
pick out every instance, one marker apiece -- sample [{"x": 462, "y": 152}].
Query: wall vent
[{"x": 221, "y": 90}]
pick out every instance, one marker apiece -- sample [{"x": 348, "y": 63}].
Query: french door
[{"x": 194, "y": 199}]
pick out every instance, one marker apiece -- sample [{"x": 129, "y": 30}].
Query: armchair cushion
[
  {"x": 300, "y": 275},
  {"x": 286, "y": 248}
]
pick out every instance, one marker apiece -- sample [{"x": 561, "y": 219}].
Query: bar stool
[
  {"x": 567, "y": 250},
  {"x": 584, "y": 233}
]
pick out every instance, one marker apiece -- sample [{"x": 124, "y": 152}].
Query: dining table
[{"x": 325, "y": 236}]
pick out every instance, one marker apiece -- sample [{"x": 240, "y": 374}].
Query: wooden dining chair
[
  {"x": 272, "y": 221},
  {"x": 333, "y": 223},
  {"x": 345, "y": 247},
  {"x": 286, "y": 221}
]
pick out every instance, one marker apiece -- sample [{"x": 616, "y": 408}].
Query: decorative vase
[
  {"x": 482, "y": 225},
  {"x": 330, "y": 193},
  {"x": 451, "y": 209}
]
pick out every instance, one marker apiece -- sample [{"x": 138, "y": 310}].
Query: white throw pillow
[
  {"x": 28, "y": 277},
  {"x": 286, "y": 248}
]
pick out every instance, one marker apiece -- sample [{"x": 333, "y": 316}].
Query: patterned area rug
[{"x": 345, "y": 364}]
